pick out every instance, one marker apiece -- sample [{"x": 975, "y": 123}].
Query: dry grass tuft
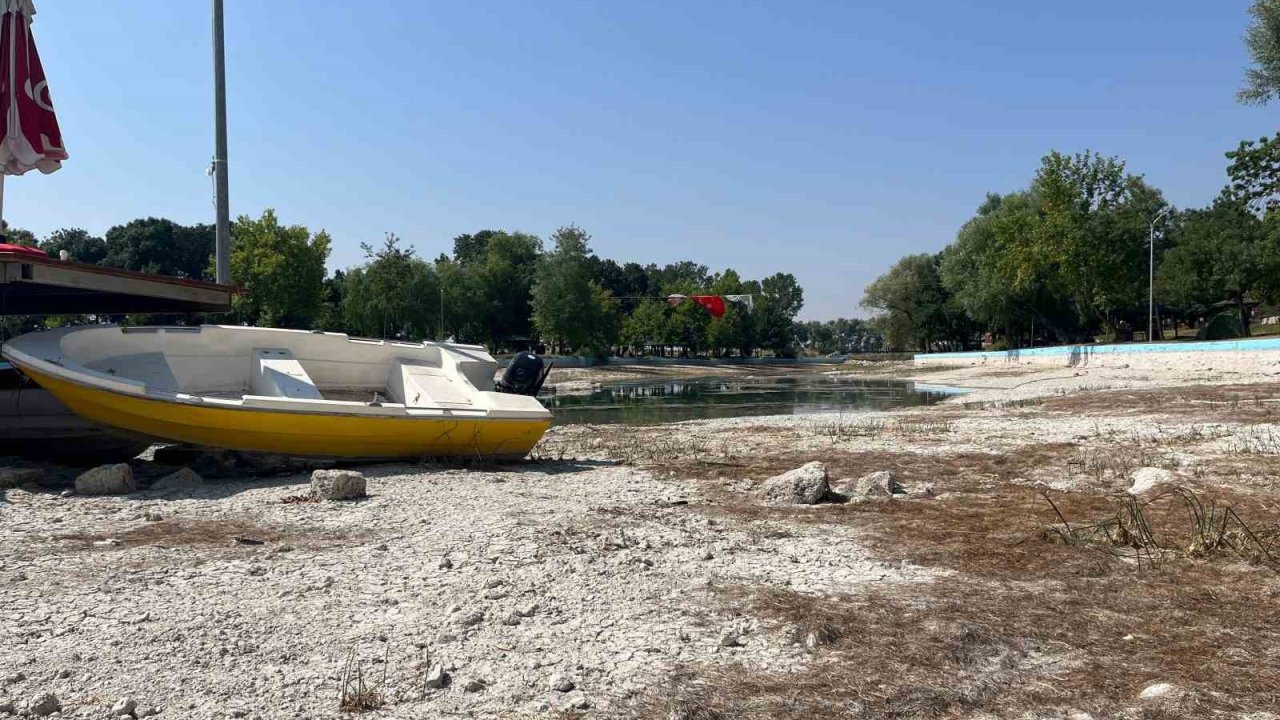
[
  {"x": 1002, "y": 404},
  {"x": 1210, "y": 529},
  {"x": 1256, "y": 440},
  {"x": 356, "y": 696},
  {"x": 841, "y": 428},
  {"x": 1113, "y": 464}
]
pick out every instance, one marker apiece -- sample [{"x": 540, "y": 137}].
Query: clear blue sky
[{"x": 821, "y": 138}]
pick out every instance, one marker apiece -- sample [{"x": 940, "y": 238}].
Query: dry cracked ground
[{"x": 635, "y": 573}]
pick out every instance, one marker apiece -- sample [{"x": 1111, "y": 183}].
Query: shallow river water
[{"x": 651, "y": 402}]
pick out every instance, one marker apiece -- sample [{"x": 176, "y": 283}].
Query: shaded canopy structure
[{"x": 35, "y": 285}]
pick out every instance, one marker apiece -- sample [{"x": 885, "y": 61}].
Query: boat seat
[
  {"x": 415, "y": 384},
  {"x": 151, "y": 368},
  {"x": 277, "y": 374}
]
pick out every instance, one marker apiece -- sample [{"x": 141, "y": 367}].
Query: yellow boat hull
[{"x": 295, "y": 433}]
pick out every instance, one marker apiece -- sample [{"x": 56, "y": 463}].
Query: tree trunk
[{"x": 1244, "y": 315}]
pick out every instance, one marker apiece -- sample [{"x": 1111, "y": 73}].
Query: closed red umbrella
[{"x": 29, "y": 135}]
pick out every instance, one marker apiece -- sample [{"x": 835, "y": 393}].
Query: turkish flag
[
  {"x": 29, "y": 134},
  {"x": 713, "y": 303}
]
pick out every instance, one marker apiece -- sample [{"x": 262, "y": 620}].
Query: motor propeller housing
[{"x": 524, "y": 375}]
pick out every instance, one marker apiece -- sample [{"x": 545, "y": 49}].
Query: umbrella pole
[{"x": 2, "y": 227}]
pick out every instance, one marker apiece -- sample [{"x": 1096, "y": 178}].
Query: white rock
[
  {"x": 44, "y": 705},
  {"x": 873, "y": 485},
  {"x": 184, "y": 479},
  {"x": 337, "y": 484},
  {"x": 574, "y": 701},
  {"x": 1145, "y": 479},
  {"x": 445, "y": 563},
  {"x": 7, "y": 708},
  {"x": 474, "y": 685},
  {"x": 512, "y": 619},
  {"x": 805, "y": 485},
  {"x": 436, "y": 677},
  {"x": 731, "y": 639},
  {"x": 1161, "y": 690},
  {"x": 561, "y": 683},
  {"x": 527, "y": 610},
  {"x": 107, "y": 480},
  {"x": 67, "y": 493},
  {"x": 124, "y": 706}
]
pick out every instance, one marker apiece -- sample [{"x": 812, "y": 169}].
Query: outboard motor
[{"x": 524, "y": 375}]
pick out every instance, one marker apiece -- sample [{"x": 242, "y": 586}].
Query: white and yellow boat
[{"x": 290, "y": 392}]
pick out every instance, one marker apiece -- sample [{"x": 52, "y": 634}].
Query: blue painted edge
[{"x": 1243, "y": 345}]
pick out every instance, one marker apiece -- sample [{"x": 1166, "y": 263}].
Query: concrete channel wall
[{"x": 1243, "y": 355}]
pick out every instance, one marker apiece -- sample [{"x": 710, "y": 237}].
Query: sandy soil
[{"x": 635, "y": 572}]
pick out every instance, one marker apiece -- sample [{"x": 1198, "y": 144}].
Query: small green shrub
[{"x": 1222, "y": 326}]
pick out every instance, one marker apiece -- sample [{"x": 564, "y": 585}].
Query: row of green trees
[
  {"x": 503, "y": 289},
  {"x": 1067, "y": 259},
  {"x": 498, "y": 288},
  {"x": 842, "y": 335}
]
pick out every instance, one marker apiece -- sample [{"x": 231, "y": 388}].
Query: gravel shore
[
  {"x": 230, "y": 602},
  {"x": 576, "y": 582}
]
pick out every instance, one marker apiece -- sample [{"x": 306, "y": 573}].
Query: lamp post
[{"x": 1151, "y": 277}]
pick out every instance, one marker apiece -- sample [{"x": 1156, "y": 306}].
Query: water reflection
[{"x": 650, "y": 402}]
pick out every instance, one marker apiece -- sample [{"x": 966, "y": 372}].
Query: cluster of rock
[
  {"x": 47, "y": 704},
  {"x": 810, "y": 484},
  {"x": 120, "y": 479}
]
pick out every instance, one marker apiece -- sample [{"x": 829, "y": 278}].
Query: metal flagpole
[{"x": 222, "y": 232}]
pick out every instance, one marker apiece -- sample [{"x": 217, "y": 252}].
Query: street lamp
[{"x": 1151, "y": 268}]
